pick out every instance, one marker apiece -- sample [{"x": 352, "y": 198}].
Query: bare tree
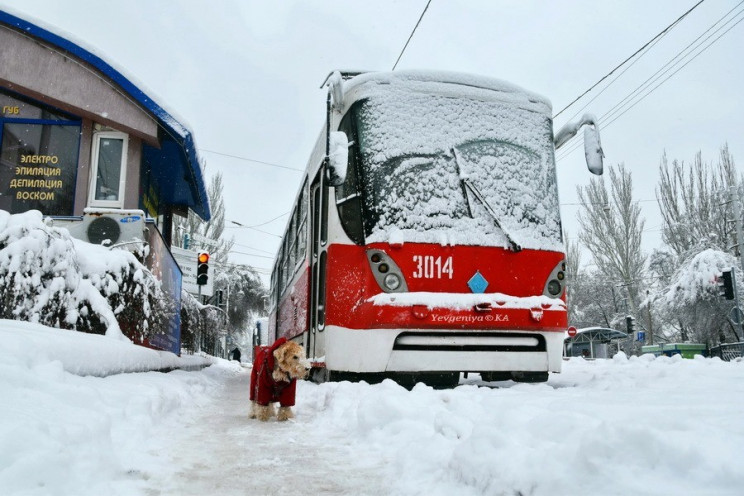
[
  {"x": 573, "y": 281},
  {"x": 611, "y": 229}
]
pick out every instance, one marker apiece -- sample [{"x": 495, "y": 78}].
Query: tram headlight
[
  {"x": 392, "y": 282},
  {"x": 386, "y": 272},
  {"x": 555, "y": 282},
  {"x": 554, "y": 287}
]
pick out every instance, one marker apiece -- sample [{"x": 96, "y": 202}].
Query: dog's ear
[{"x": 279, "y": 353}]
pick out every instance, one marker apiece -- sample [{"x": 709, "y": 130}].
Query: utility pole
[
  {"x": 735, "y": 200},
  {"x": 734, "y": 191},
  {"x": 650, "y": 322}
]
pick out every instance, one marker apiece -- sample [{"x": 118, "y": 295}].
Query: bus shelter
[{"x": 592, "y": 342}]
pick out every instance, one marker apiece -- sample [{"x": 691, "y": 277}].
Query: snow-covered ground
[{"x": 622, "y": 426}]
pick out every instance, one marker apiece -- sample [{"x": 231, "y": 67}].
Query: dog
[{"x": 276, "y": 369}]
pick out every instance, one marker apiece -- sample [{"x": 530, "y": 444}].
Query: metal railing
[{"x": 728, "y": 352}]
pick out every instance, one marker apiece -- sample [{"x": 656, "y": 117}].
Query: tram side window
[
  {"x": 279, "y": 273},
  {"x": 348, "y": 195},
  {"x": 301, "y": 226},
  {"x": 274, "y": 288},
  {"x": 292, "y": 244},
  {"x": 286, "y": 267}
]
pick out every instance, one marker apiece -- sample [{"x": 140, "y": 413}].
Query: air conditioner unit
[{"x": 112, "y": 226}]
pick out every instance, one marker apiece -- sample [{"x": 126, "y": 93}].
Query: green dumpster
[
  {"x": 655, "y": 349},
  {"x": 687, "y": 350}
]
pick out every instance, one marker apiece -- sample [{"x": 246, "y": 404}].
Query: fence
[{"x": 728, "y": 352}]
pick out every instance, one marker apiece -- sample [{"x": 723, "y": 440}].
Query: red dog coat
[{"x": 264, "y": 389}]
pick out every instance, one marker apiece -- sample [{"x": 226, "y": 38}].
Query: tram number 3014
[{"x": 431, "y": 267}]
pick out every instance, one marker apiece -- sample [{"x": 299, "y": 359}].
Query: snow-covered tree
[
  {"x": 611, "y": 230},
  {"x": 595, "y": 302},
  {"x": 213, "y": 230},
  {"x": 692, "y": 203},
  {"x": 692, "y": 299},
  {"x": 573, "y": 277},
  {"x": 202, "y": 327},
  {"x": 244, "y": 296},
  {"x": 50, "y": 278}
]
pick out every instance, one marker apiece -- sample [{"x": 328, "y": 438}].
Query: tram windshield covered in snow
[
  {"x": 421, "y": 176},
  {"x": 426, "y": 238}
]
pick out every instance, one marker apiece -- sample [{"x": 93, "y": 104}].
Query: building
[{"x": 80, "y": 142}]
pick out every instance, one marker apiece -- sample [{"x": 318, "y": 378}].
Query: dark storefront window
[{"x": 38, "y": 157}]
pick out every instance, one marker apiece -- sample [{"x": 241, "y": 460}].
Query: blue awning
[{"x": 176, "y": 162}]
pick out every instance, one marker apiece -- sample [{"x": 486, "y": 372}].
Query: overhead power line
[
  {"x": 661, "y": 34},
  {"x": 238, "y": 225},
  {"x": 269, "y": 164},
  {"x": 411, "y": 36},
  {"x": 685, "y": 55}
]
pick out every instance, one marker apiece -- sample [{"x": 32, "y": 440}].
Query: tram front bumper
[{"x": 422, "y": 350}]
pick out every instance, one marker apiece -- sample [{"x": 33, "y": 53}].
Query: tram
[{"x": 425, "y": 239}]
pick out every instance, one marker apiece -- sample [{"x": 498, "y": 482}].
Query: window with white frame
[{"x": 108, "y": 173}]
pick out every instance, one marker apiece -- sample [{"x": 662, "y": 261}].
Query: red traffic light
[{"x": 202, "y": 268}]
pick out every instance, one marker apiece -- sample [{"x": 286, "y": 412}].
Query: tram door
[{"x": 318, "y": 261}]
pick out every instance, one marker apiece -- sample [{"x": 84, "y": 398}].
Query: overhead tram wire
[
  {"x": 254, "y": 248},
  {"x": 637, "y": 59},
  {"x": 660, "y": 35},
  {"x": 268, "y": 164},
  {"x": 411, "y": 36},
  {"x": 575, "y": 143},
  {"x": 260, "y": 270},
  {"x": 252, "y": 228},
  {"x": 658, "y": 74},
  {"x": 261, "y": 224},
  {"x": 693, "y": 57}
]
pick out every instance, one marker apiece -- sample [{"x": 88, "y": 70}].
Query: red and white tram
[{"x": 426, "y": 238}]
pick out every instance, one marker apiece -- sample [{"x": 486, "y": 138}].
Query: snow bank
[
  {"x": 64, "y": 434},
  {"x": 640, "y": 426},
  {"x": 644, "y": 425},
  {"x": 86, "y": 354}
]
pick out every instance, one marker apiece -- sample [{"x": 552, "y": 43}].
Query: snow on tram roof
[{"x": 446, "y": 83}]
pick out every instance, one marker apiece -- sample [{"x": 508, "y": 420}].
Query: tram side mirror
[
  {"x": 593, "y": 150},
  {"x": 592, "y": 143},
  {"x": 338, "y": 158}
]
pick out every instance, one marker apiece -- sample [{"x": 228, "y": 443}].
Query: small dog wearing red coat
[{"x": 276, "y": 369}]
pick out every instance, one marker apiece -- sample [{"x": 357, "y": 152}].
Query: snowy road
[{"x": 221, "y": 451}]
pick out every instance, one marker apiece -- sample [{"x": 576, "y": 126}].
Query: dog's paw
[{"x": 285, "y": 413}]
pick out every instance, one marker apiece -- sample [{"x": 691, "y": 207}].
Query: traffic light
[
  {"x": 630, "y": 324},
  {"x": 726, "y": 285},
  {"x": 202, "y": 268}
]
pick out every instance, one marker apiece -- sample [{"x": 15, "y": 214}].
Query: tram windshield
[{"x": 446, "y": 170}]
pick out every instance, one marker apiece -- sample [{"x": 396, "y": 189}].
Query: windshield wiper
[{"x": 467, "y": 185}]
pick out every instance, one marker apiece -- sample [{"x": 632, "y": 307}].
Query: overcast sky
[{"x": 245, "y": 76}]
